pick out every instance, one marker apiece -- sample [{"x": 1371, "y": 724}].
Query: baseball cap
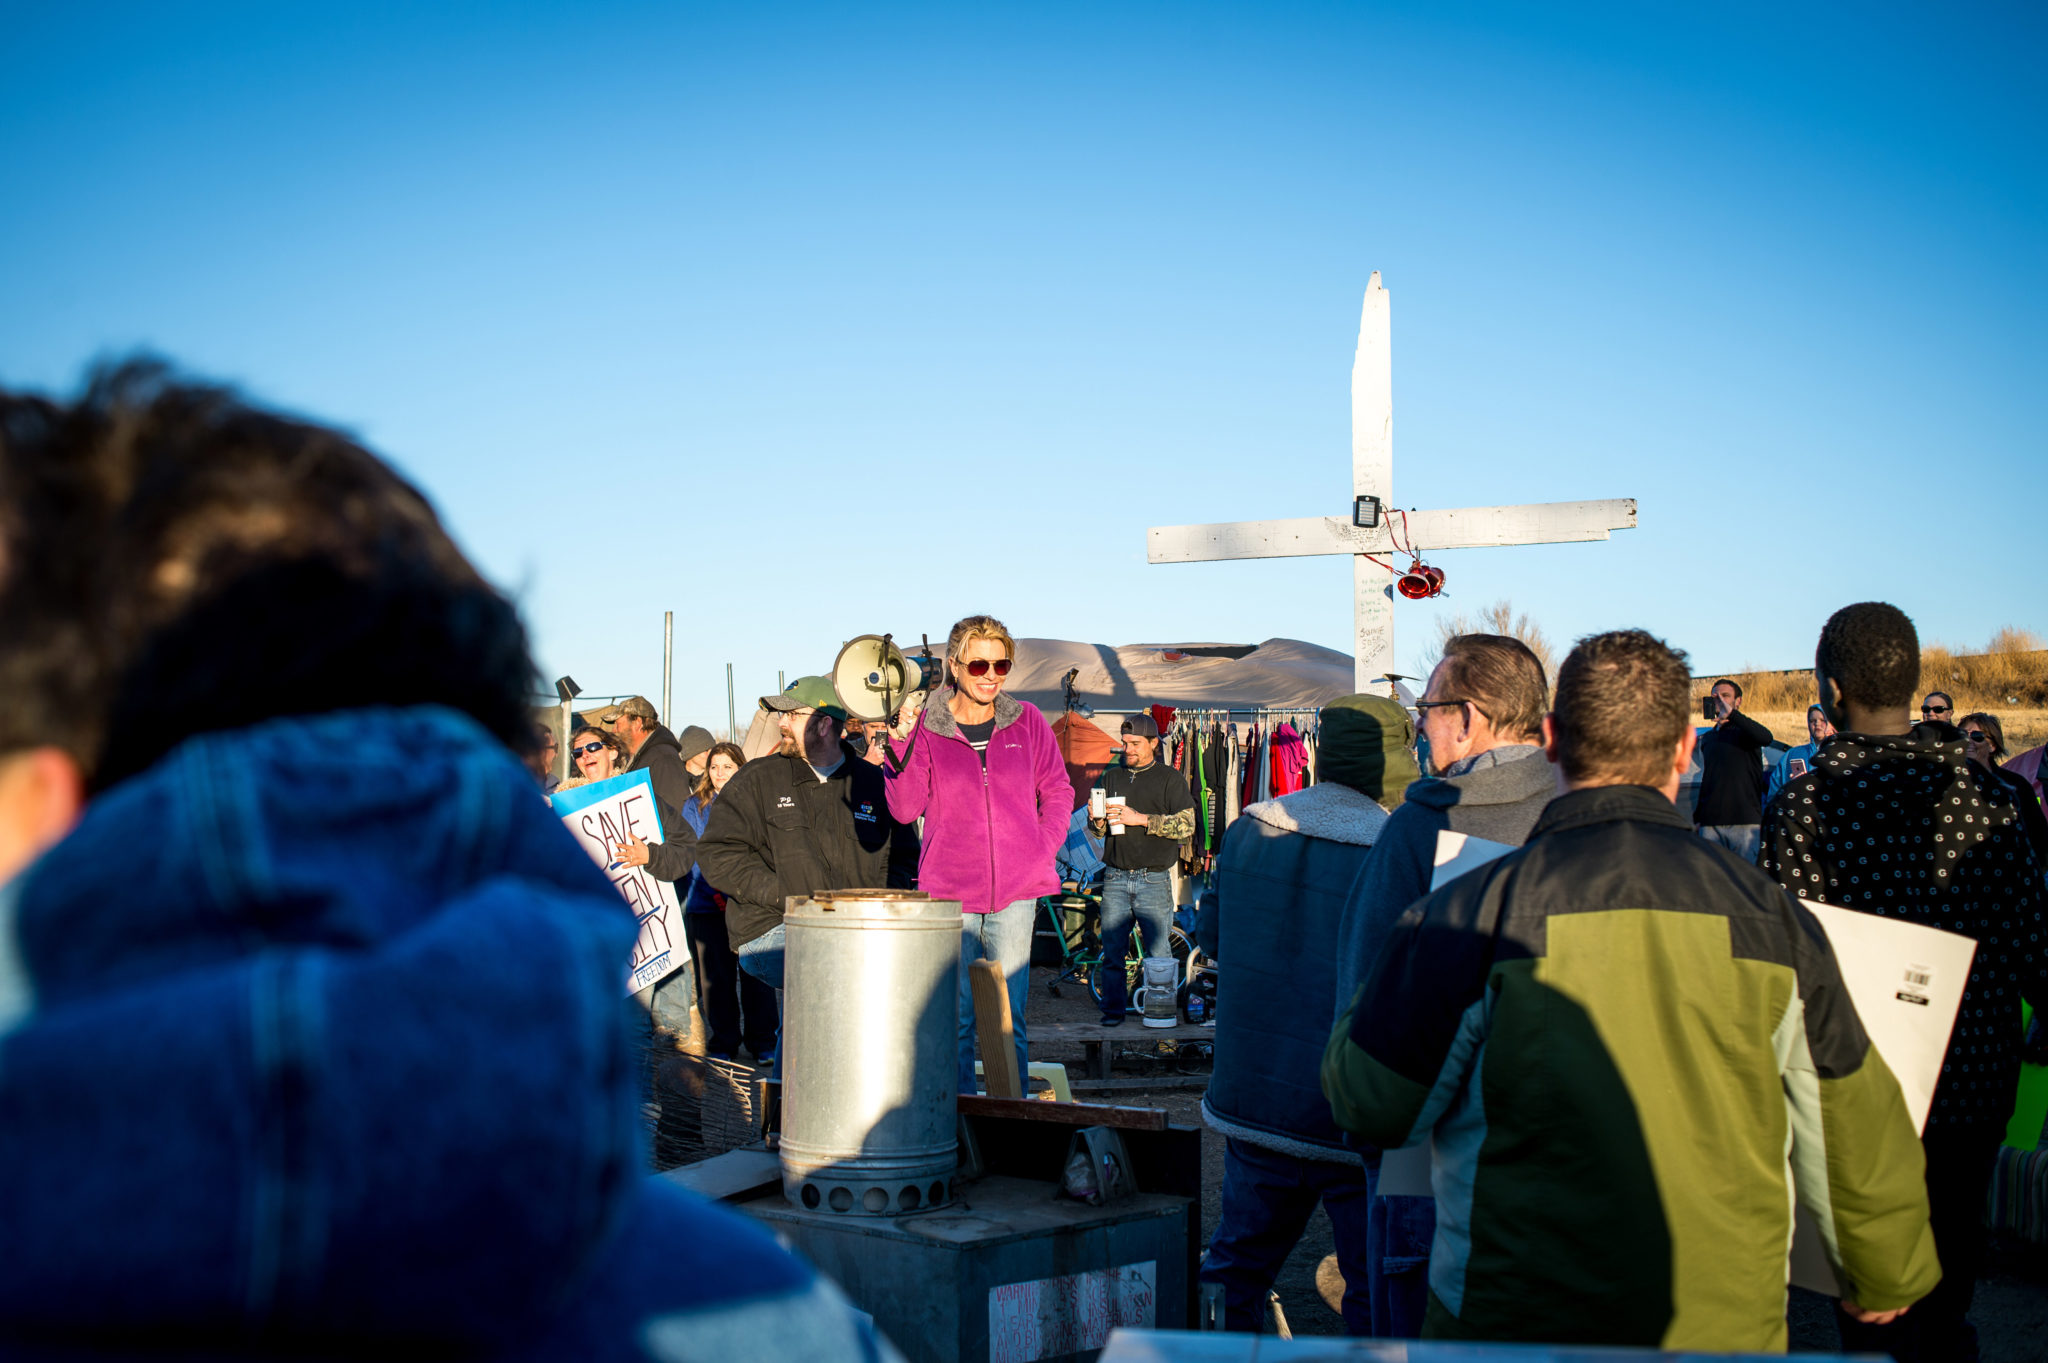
[
  {"x": 1144, "y": 726},
  {"x": 812, "y": 693},
  {"x": 638, "y": 706}
]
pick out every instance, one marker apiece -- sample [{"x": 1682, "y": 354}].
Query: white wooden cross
[{"x": 1372, "y": 475}]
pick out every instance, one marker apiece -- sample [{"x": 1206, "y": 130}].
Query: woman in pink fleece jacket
[{"x": 985, "y": 773}]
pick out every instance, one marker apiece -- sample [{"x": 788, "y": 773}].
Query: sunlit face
[
  {"x": 1818, "y": 730},
  {"x": 1977, "y": 743},
  {"x": 1725, "y": 693},
  {"x": 994, "y": 661},
  {"x": 1937, "y": 706},
  {"x": 1140, "y": 750},
  {"x": 722, "y": 767},
  {"x": 594, "y": 759}
]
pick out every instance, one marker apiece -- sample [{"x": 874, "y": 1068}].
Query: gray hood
[{"x": 1516, "y": 773}]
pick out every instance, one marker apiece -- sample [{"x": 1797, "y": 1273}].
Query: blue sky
[{"x": 805, "y": 322}]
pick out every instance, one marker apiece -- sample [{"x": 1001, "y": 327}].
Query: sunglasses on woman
[
  {"x": 1976, "y": 736},
  {"x": 1934, "y": 709},
  {"x": 584, "y": 749},
  {"x": 980, "y": 666}
]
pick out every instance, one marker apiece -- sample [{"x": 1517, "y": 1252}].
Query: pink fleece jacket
[{"x": 989, "y": 835}]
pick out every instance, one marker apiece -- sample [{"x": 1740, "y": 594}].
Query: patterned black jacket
[{"x": 1903, "y": 826}]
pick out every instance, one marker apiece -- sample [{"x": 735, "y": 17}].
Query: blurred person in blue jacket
[{"x": 264, "y": 754}]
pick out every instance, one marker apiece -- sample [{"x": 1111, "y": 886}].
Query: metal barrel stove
[{"x": 870, "y": 1051}]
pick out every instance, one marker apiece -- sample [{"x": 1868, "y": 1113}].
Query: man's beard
[{"x": 788, "y": 748}]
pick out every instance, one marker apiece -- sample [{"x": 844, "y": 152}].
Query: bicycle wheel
[{"x": 1178, "y": 943}]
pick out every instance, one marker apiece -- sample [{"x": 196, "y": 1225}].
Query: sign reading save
[{"x": 601, "y": 816}]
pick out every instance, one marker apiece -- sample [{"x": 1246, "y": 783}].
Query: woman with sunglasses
[
  {"x": 598, "y": 755},
  {"x": 1984, "y": 741},
  {"x": 737, "y": 1006},
  {"x": 984, "y": 772}
]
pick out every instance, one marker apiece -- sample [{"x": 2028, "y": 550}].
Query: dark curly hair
[
  {"x": 174, "y": 561},
  {"x": 1872, "y": 652}
]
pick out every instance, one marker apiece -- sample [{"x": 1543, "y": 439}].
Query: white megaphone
[{"x": 874, "y": 677}]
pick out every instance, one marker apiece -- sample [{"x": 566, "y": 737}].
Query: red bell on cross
[{"x": 1420, "y": 582}]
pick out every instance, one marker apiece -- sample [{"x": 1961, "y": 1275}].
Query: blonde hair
[{"x": 980, "y": 627}]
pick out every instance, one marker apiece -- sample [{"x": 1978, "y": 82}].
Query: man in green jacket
[{"x": 1632, "y": 1050}]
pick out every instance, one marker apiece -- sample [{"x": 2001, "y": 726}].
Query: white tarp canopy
[{"x": 1277, "y": 674}]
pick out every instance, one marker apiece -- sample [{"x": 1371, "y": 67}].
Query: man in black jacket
[
  {"x": 800, "y": 823},
  {"x": 1731, "y": 803},
  {"x": 651, "y": 748}
]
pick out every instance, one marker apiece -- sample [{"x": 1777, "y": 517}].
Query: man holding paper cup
[{"x": 1632, "y": 1051}]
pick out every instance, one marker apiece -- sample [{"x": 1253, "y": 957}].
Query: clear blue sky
[{"x": 810, "y": 321}]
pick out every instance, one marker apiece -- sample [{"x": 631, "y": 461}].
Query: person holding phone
[{"x": 1731, "y": 803}]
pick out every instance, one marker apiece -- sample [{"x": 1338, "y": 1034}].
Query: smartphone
[{"x": 1710, "y": 707}]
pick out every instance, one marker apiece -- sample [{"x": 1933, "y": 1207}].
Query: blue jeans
[
  {"x": 1147, "y": 896},
  {"x": 1267, "y": 1201},
  {"x": 762, "y": 958},
  {"x": 1398, "y": 1234},
  {"x": 1005, "y": 938}
]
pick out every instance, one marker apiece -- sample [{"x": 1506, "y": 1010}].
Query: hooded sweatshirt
[
  {"x": 991, "y": 830},
  {"x": 388, "y": 1096},
  {"x": 1280, "y": 889},
  {"x": 1496, "y": 795}
]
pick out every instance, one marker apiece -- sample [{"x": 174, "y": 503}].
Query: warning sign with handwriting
[{"x": 604, "y": 814}]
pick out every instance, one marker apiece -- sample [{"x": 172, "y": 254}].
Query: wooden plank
[
  {"x": 1157, "y": 1083},
  {"x": 1132, "y": 1033},
  {"x": 992, "y": 1026},
  {"x": 1065, "y": 1114},
  {"x": 730, "y": 1177},
  {"x": 1471, "y": 527}
]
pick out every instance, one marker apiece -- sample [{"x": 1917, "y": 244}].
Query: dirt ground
[{"x": 2011, "y": 1309}]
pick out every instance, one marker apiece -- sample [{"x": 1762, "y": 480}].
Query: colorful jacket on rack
[{"x": 991, "y": 832}]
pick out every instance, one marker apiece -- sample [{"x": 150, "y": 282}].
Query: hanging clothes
[
  {"x": 1289, "y": 759},
  {"x": 1233, "y": 777}
]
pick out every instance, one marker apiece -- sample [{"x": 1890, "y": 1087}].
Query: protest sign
[{"x": 604, "y": 814}]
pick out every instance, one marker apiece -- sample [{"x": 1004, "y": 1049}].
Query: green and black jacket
[{"x": 1632, "y": 1050}]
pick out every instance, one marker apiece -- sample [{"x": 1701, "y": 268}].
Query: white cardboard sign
[{"x": 602, "y": 815}]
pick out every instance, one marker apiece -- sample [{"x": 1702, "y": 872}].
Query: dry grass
[
  {"x": 2009, "y": 678},
  {"x": 1499, "y": 618}
]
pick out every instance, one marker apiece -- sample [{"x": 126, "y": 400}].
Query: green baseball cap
[{"x": 807, "y": 693}]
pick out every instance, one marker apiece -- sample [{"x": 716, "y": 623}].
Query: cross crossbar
[
  {"x": 1471, "y": 527},
  {"x": 1372, "y": 475}
]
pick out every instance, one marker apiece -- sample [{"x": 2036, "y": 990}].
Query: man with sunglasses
[
  {"x": 1938, "y": 716},
  {"x": 1481, "y": 711}
]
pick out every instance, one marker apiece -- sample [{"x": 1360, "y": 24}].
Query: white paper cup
[{"x": 1116, "y": 828}]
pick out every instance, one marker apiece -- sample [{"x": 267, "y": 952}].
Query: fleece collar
[
  {"x": 938, "y": 715},
  {"x": 1332, "y": 812}
]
